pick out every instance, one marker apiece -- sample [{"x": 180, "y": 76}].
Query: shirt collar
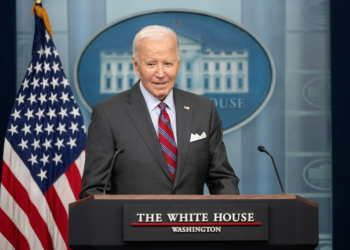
[{"x": 152, "y": 101}]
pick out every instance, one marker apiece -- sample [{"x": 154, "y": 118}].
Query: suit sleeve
[
  {"x": 221, "y": 178},
  {"x": 99, "y": 152}
]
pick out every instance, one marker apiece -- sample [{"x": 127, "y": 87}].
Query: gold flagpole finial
[{"x": 41, "y": 12}]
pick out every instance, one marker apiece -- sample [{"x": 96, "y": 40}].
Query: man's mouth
[{"x": 160, "y": 83}]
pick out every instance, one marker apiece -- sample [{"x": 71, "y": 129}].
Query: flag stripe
[
  {"x": 65, "y": 194},
  {"x": 20, "y": 196},
  {"x": 14, "y": 238},
  {"x": 74, "y": 179},
  {"x": 4, "y": 243},
  {"x": 22, "y": 174},
  {"x": 20, "y": 221},
  {"x": 80, "y": 161},
  {"x": 59, "y": 213}
]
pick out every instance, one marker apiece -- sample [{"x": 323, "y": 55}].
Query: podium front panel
[{"x": 98, "y": 222}]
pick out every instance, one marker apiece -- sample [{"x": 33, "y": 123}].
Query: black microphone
[
  {"x": 262, "y": 149},
  {"x": 121, "y": 150}
]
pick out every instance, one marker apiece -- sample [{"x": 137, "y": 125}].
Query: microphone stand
[
  {"x": 262, "y": 149},
  {"x": 111, "y": 167}
]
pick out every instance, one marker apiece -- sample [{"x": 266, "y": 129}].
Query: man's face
[{"x": 157, "y": 65}]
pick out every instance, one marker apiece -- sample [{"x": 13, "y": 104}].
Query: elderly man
[{"x": 172, "y": 139}]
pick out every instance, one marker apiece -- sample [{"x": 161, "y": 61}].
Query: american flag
[{"x": 43, "y": 154}]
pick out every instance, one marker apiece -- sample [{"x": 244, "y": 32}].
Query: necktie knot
[{"x": 162, "y": 105}]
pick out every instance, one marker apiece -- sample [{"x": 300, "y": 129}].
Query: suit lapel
[
  {"x": 137, "y": 110},
  {"x": 184, "y": 119}
]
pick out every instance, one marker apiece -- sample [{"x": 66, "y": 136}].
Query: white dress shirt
[{"x": 154, "y": 111}]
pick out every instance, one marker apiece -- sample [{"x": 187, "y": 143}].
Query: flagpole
[{"x": 38, "y": 3}]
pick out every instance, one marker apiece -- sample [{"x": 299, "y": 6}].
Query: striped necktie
[{"x": 166, "y": 140}]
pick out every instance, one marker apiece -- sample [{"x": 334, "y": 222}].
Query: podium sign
[
  {"x": 220, "y": 222},
  {"x": 148, "y": 222}
]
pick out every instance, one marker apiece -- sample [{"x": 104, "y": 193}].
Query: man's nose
[{"x": 160, "y": 71}]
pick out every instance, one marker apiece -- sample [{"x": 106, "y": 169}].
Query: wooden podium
[{"x": 98, "y": 222}]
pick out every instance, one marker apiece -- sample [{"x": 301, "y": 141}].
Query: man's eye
[{"x": 150, "y": 64}]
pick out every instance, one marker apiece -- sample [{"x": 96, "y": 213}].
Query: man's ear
[
  {"x": 136, "y": 65},
  {"x": 178, "y": 66}
]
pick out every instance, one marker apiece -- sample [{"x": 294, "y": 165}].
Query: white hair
[{"x": 154, "y": 32}]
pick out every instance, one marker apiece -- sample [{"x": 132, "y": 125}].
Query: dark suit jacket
[{"x": 123, "y": 121}]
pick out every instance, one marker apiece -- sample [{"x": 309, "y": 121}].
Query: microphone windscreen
[{"x": 261, "y": 148}]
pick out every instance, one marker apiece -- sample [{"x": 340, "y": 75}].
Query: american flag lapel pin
[{"x": 187, "y": 107}]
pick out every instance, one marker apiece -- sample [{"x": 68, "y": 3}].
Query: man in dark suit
[{"x": 172, "y": 139}]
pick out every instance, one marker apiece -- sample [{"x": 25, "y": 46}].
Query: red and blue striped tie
[{"x": 166, "y": 140}]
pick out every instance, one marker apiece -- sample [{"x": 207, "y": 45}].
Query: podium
[{"x": 103, "y": 222}]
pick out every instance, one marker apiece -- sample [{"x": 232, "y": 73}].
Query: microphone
[
  {"x": 262, "y": 149},
  {"x": 121, "y": 150}
]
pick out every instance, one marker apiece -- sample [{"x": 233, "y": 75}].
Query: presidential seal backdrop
[{"x": 221, "y": 61}]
